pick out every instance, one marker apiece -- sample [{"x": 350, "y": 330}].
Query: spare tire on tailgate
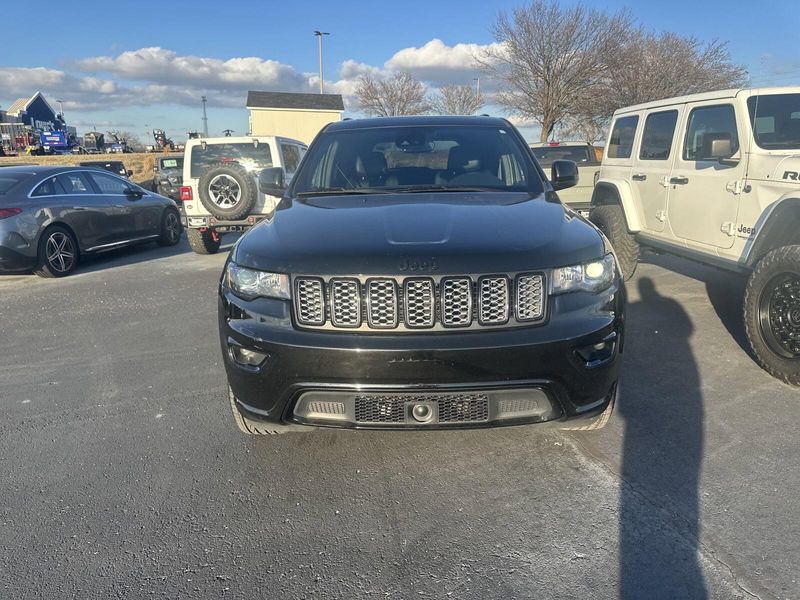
[{"x": 228, "y": 191}]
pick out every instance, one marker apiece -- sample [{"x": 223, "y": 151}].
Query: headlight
[
  {"x": 251, "y": 283},
  {"x": 588, "y": 277}
]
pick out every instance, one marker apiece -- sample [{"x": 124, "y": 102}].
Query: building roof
[
  {"x": 21, "y": 104},
  {"x": 295, "y": 101}
]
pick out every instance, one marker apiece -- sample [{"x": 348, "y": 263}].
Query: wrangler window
[
  {"x": 776, "y": 120},
  {"x": 620, "y": 144},
  {"x": 657, "y": 136},
  {"x": 708, "y": 124}
]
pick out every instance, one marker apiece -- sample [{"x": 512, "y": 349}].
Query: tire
[
  {"x": 610, "y": 219},
  {"x": 58, "y": 252},
  {"x": 772, "y": 313},
  {"x": 170, "y": 228},
  {"x": 601, "y": 420},
  {"x": 252, "y": 427},
  {"x": 228, "y": 191},
  {"x": 202, "y": 242}
]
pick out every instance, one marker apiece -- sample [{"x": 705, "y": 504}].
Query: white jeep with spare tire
[
  {"x": 220, "y": 184},
  {"x": 715, "y": 177}
]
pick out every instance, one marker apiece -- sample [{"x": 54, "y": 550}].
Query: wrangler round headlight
[
  {"x": 589, "y": 277},
  {"x": 251, "y": 283}
]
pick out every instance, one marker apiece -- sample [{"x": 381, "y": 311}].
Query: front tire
[
  {"x": 610, "y": 219},
  {"x": 203, "y": 242},
  {"x": 772, "y": 313},
  {"x": 58, "y": 253}
]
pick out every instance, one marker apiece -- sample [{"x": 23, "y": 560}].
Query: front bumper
[{"x": 521, "y": 375}]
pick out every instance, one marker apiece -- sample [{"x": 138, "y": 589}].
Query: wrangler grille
[{"x": 420, "y": 303}]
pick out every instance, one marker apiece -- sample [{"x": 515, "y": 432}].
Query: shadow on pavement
[
  {"x": 662, "y": 407},
  {"x": 725, "y": 291}
]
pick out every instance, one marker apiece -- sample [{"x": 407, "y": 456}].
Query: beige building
[{"x": 297, "y": 116}]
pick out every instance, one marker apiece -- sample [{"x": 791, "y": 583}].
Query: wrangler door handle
[
  {"x": 679, "y": 180},
  {"x": 639, "y": 177}
]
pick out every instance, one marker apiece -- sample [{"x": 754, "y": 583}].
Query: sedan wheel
[{"x": 58, "y": 253}]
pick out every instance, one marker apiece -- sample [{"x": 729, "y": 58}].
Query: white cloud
[{"x": 438, "y": 63}]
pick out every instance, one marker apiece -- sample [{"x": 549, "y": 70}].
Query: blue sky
[{"x": 127, "y": 64}]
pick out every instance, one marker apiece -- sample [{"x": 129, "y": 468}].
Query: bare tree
[
  {"x": 401, "y": 94},
  {"x": 456, "y": 100},
  {"x": 548, "y": 57},
  {"x": 649, "y": 67}
]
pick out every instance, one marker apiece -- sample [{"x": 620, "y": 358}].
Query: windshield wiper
[
  {"x": 340, "y": 191},
  {"x": 415, "y": 189}
]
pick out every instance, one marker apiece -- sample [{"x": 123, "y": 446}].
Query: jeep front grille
[{"x": 420, "y": 303}]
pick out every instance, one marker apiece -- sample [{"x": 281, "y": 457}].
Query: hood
[{"x": 407, "y": 234}]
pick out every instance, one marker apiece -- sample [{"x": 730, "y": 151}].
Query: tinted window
[
  {"x": 9, "y": 181},
  {"x": 776, "y": 120},
  {"x": 291, "y": 157},
  {"x": 620, "y": 145},
  {"x": 109, "y": 185},
  {"x": 246, "y": 153},
  {"x": 659, "y": 129},
  {"x": 75, "y": 183},
  {"x": 579, "y": 154},
  {"x": 49, "y": 187},
  {"x": 707, "y": 124},
  {"x": 417, "y": 157}
]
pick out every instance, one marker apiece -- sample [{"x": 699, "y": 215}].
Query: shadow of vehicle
[{"x": 662, "y": 408}]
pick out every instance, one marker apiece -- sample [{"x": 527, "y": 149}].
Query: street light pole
[
  {"x": 61, "y": 107},
  {"x": 478, "y": 86},
  {"x": 205, "y": 118},
  {"x": 319, "y": 35}
]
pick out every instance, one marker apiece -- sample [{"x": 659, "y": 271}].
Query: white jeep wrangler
[
  {"x": 715, "y": 177},
  {"x": 220, "y": 184}
]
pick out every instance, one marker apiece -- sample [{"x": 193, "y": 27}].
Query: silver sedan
[{"x": 51, "y": 216}]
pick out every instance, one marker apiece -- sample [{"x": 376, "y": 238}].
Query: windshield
[
  {"x": 776, "y": 121},
  {"x": 250, "y": 156},
  {"x": 416, "y": 158},
  {"x": 547, "y": 154},
  {"x": 171, "y": 163}
]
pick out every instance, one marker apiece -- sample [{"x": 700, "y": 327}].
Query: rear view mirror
[
  {"x": 563, "y": 174},
  {"x": 272, "y": 181}
]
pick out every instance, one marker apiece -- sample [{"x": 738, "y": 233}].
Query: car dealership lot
[{"x": 123, "y": 474}]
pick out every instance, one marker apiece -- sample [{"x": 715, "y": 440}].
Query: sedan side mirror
[
  {"x": 272, "y": 181},
  {"x": 129, "y": 172},
  {"x": 563, "y": 174},
  {"x": 133, "y": 193}
]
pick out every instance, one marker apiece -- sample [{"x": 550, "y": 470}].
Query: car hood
[{"x": 406, "y": 234}]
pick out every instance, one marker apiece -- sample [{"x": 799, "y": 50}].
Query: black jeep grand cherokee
[{"x": 420, "y": 273}]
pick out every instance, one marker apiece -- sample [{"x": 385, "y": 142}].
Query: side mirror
[
  {"x": 272, "y": 181},
  {"x": 563, "y": 174},
  {"x": 129, "y": 172},
  {"x": 133, "y": 194},
  {"x": 716, "y": 146}
]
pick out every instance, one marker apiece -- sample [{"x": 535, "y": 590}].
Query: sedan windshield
[
  {"x": 416, "y": 159},
  {"x": 776, "y": 120},
  {"x": 546, "y": 155}
]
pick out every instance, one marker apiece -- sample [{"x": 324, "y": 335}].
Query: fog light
[
  {"x": 244, "y": 356},
  {"x": 422, "y": 413},
  {"x": 597, "y": 354}
]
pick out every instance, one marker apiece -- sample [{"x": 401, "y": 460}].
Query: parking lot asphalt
[{"x": 122, "y": 474}]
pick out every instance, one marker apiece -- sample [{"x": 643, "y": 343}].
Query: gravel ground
[{"x": 122, "y": 473}]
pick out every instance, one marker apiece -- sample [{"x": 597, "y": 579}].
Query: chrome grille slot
[
  {"x": 456, "y": 299},
  {"x": 529, "y": 304},
  {"x": 493, "y": 300},
  {"x": 382, "y": 303},
  {"x": 345, "y": 302},
  {"x": 310, "y": 301},
  {"x": 419, "y": 303},
  {"x": 367, "y": 303}
]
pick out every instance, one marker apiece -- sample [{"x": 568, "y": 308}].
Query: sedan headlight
[
  {"x": 588, "y": 277},
  {"x": 251, "y": 283}
]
